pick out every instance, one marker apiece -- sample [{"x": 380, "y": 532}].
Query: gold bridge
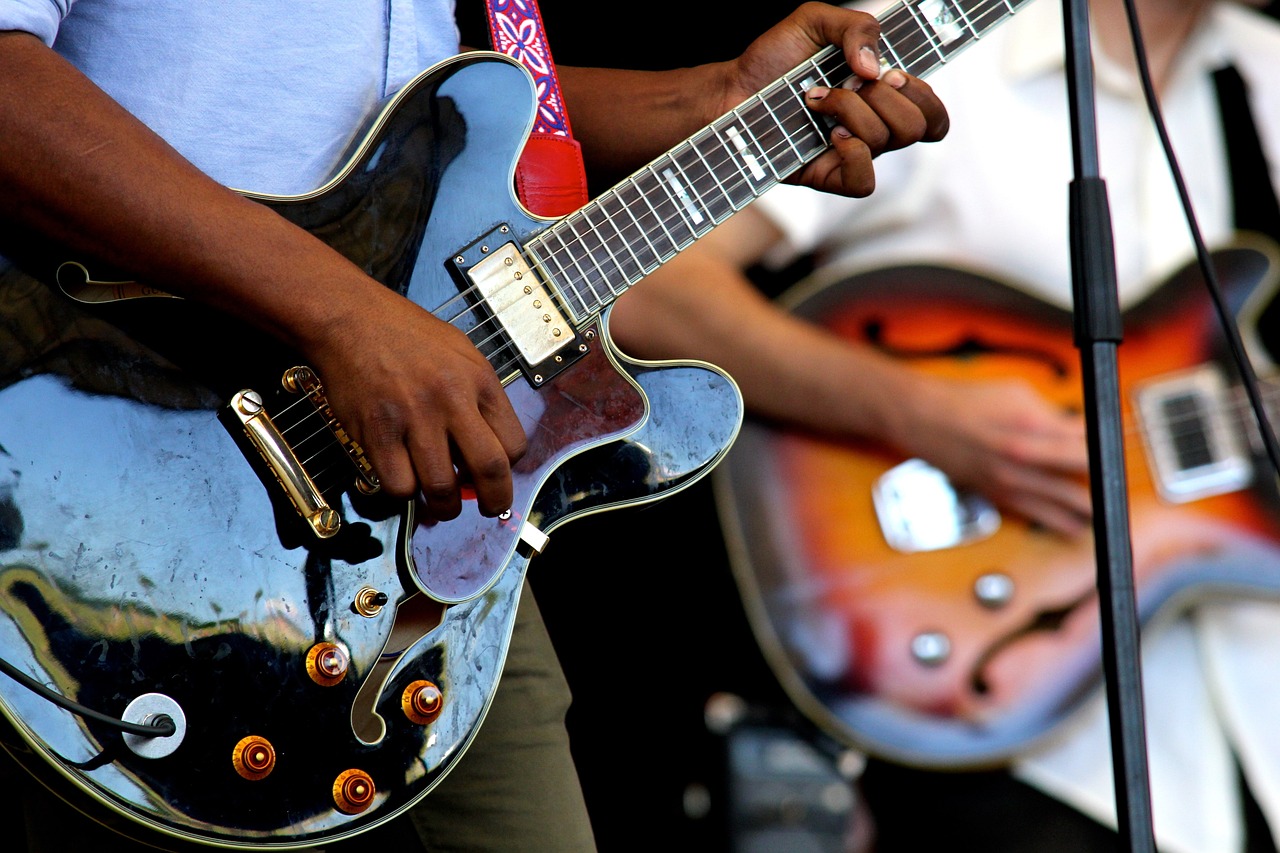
[{"x": 307, "y": 498}]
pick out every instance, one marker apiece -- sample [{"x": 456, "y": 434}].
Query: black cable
[
  {"x": 161, "y": 726},
  {"x": 1225, "y": 318}
]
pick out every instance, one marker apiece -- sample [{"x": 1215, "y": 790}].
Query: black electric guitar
[
  {"x": 915, "y": 621},
  {"x": 188, "y": 537}
]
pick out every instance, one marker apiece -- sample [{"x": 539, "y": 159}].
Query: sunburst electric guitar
[
  {"x": 911, "y": 619},
  {"x": 188, "y": 539}
]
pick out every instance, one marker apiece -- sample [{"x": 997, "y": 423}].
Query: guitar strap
[
  {"x": 550, "y": 177},
  {"x": 1254, "y": 205},
  {"x": 1253, "y": 197}
]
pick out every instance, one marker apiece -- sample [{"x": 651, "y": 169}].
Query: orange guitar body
[{"x": 965, "y": 654}]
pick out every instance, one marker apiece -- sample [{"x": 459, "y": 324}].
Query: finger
[
  {"x": 1068, "y": 495},
  {"x": 383, "y": 440},
  {"x": 1051, "y": 516},
  {"x": 437, "y": 477},
  {"x": 845, "y": 168},
  {"x": 857, "y": 33},
  {"x": 487, "y": 465},
  {"x": 850, "y": 111},
  {"x": 921, "y": 95},
  {"x": 496, "y": 409}
]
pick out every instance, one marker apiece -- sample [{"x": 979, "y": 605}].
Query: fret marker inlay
[
  {"x": 747, "y": 157},
  {"x": 945, "y": 24},
  {"x": 677, "y": 188}
]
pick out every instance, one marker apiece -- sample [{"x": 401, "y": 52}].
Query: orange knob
[
  {"x": 353, "y": 791},
  {"x": 327, "y": 664},
  {"x": 421, "y": 702},
  {"x": 254, "y": 757}
]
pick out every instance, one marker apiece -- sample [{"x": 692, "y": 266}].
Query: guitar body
[
  {"x": 966, "y": 653},
  {"x": 151, "y": 564}
]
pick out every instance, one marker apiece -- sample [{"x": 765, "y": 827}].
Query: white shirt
[{"x": 992, "y": 197}]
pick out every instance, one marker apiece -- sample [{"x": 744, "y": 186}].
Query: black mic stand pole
[{"x": 1097, "y": 334}]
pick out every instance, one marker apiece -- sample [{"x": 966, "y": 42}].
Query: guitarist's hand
[
  {"x": 881, "y": 115},
  {"x": 412, "y": 390},
  {"x": 424, "y": 403},
  {"x": 1002, "y": 439},
  {"x": 624, "y": 118}
]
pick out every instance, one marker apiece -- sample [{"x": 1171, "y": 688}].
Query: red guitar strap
[{"x": 550, "y": 177}]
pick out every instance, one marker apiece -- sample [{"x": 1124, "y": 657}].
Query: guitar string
[
  {"x": 701, "y": 187},
  {"x": 926, "y": 48},
  {"x": 598, "y": 264},
  {"x": 1175, "y": 427},
  {"x": 898, "y": 20},
  {"x": 895, "y": 22}
]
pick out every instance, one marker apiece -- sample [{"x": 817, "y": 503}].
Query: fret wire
[
  {"x": 656, "y": 199},
  {"x": 580, "y": 217},
  {"x": 733, "y": 159},
  {"x": 566, "y": 284},
  {"x": 644, "y": 232},
  {"x": 746, "y": 126},
  {"x": 657, "y": 257},
  {"x": 891, "y": 49},
  {"x": 679, "y": 202},
  {"x": 627, "y": 244},
  {"x": 715, "y": 177},
  {"x": 787, "y": 137},
  {"x": 661, "y": 256},
  {"x": 583, "y": 276},
  {"x": 594, "y": 260},
  {"x": 586, "y": 214},
  {"x": 964, "y": 16},
  {"x": 725, "y": 204},
  {"x": 700, "y": 188},
  {"x": 798, "y": 90},
  {"x": 925, "y": 29}
]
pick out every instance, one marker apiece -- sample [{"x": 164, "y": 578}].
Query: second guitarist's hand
[{"x": 997, "y": 438}]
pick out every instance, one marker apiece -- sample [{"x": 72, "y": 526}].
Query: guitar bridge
[{"x": 282, "y": 457}]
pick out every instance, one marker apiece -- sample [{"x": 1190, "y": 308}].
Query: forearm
[
  {"x": 77, "y": 169},
  {"x": 789, "y": 370},
  {"x": 660, "y": 110}
]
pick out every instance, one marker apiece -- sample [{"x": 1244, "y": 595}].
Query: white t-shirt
[{"x": 992, "y": 196}]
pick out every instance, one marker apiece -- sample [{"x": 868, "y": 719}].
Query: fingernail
[
  {"x": 869, "y": 62},
  {"x": 842, "y": 132},
  {"x": 817, "y": 93},
  {"x": 895, "y": 78}
]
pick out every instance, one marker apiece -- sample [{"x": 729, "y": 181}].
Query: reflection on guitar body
[{"x": 915, "y": 622}]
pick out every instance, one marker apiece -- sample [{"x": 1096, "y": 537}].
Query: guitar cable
[{"x": 162, "y": 725}]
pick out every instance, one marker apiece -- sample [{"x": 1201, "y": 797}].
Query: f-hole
[{"x": 415, "y": 616}]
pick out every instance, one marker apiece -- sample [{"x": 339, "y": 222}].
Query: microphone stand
[{"x": 1097, "y": 334}]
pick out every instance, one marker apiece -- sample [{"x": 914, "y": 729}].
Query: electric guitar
[
  {"x": 913, "y": 620},
  {"x": 189, "y": 539}
]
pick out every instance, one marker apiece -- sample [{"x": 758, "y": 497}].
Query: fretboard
[{"x": 595, "y": 254}]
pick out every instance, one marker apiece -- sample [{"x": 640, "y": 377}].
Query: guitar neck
[{"x": 594, "y": 255}]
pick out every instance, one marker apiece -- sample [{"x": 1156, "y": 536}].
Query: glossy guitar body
[
  {"x": 149, "y": 560},
  {"x": 964, "y": 655}
]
